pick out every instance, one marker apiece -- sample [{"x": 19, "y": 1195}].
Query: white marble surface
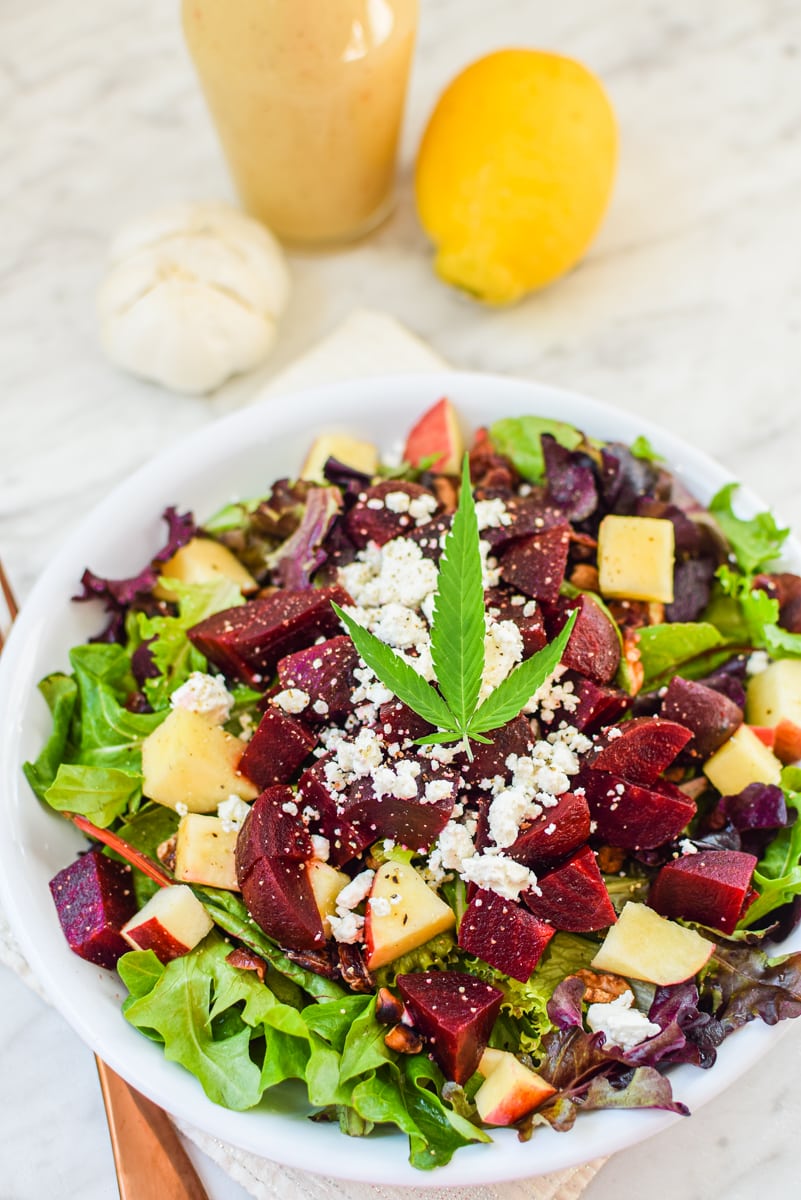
[{"x": 687, "y": 310}]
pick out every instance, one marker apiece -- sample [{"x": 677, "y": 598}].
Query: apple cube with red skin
[
  {"x": 171, "y": 923},
  {"x": 639, "y": 750},
  {"x": 710, "y": 716},
  {"x": 555, "y": 833},
  {"x": 455, "y": 1012},
  {"x": 593, "y": 648},
  {"x": 573, "y": 896},
  {"x": 709, "y": 887},
  {"x": 504, "y": 934},
  {"x": 94, "y": 897},
  {"x": 536, "y": 565},
  {"x": 370, "y": 520},
  {"x": 633, "y": 816},
  {"x": 278, "y": 747},
  {"x": 436, "y": 435},
  {"x": 510, "y": 1090},
  {"x": 247, "y": 642},
  {"x": 325, "y": 673}
]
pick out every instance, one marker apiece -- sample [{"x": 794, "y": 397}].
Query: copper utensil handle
[{"x": 150, "y": 1159}]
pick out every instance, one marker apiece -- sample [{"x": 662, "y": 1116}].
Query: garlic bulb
[{"x": 192, "y": 296}]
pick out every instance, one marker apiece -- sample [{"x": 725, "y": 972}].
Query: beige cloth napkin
[{"x": 366, "y": 343}]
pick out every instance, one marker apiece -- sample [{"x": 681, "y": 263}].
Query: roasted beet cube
[
  {"x": 490, "y": 760},
  {"x": 371, "y": 519},
  {"x": 276, "y": 750},
  {"x": 758, "y": 807},
  {"x": 273, "y": 830},
  {"x": 345, "y": 840},
  {"x": 639, "y": 750},
  {"x": 555, "y": 833},
  {"x": 246, "y": 642},
  {"x": 414, "y": 821},
  {"x": 325, "y": 673},
  {"x": 505, "y": 605},
  {"x": 710, "y": 887},
  {"x": 593, "y": 648},
  {"x": 598, "y": 705},
  {"x": 633, "y": 816},
  {"x": 504, "y": 934},
  {"x": 536, "y": 564},
  {"x": 94, "y": 897},
  {"x": 400, "y": 724},
  {"x": 455, "y": 1013},
  {"x": 710, "y": 716},
  {"x": 573, "y": 896}
]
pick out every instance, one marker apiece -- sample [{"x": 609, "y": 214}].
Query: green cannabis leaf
[{"x": 457, "y": 647}]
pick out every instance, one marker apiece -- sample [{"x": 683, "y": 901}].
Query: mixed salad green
[{"x": 389, "y": 739}]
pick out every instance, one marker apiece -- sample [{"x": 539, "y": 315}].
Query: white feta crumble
[
  {"x": 352, "y": 760},
  {"x": 369, "y": 688},
  {"x": 436, "y": 790},
  {"x": 290, "y": 808},
  {"x": 399, "y": 780},
  {"x": 492, "y": 514},
  {"x": 507, "y": 812},
  {"x": 395, "y": 573},
  {"x": 181, "y": 808},
  {"x": 496, "y": 873},
  {"x": 490, "y": 571},
  {"x": 347, "y": 927},
  {"x": 552, "y": 695},
  {"x": 422, "y": 508},
  {"x": 321, "y": 847},
  {"x": 205, "y": 695},
  {"x": 320, "y": 707},
  {"x": 380, "y": 906},
  {"x": 292, "y": 700},
  {"x": 354, "y": 892},
  {"x": 397, "y": 502},
  {"x": 687, "y": 847},
  {"x": 394, "y": 624},
  {"x": 232, "y": 813},
  {"x": 758, "y": 662},
  {"x": 621, "y": 1024},
  {"x": 503, "y": 649}
]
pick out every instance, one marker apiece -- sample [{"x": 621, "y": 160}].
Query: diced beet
[
  {"x": 573, "y": 896},
  {"x": 593, "y": 648},
  {"x": 571, "y": 479},
  {"x": 557, "y": 832},
  {"x": 710, "y": 716},
  {"x": 490, "y": 760},
  {"x": 273, "y": 830},
  {"x": 758, "y": 806},
  {"x": 369, "y": 520},
  {"x": 503, "y": 934},
  {"x": 246, "y": 642},
  {"x": 455, "y": 1013},
  {"x": 399, "y": 723},
  {"x": 634, "y": 816},
  {"x": 276, "y": 750},
  {"x": 729, "y": 680},
  {"x": 527, "y": 616},
  {"x": 94, "y": 898},
  {"x": 709, "y": 887},
  {"x": 412, "y": 822},
  {"x": 639, "y": 750},
  {"x": 345, "y": 840},
  {"x": 325, "y": 673},
  {"x": 430, "y": 536},
  {"x": 536, "y": 564},
  {"x": 598, "y": 705}
]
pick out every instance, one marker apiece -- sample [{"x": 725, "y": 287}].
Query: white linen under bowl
[{"x": 239, "y": 457}]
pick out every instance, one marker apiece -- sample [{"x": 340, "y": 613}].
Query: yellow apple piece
[
  {"x": 326, "y": 882},
  {"x": 510, "y": 1091},
  {"x": 171, "y": 923},
  {"x": 361, "y": 456},
  {"x": 188, "y": 760},
  {"x": 205, "y": 852},
  {"x": 743, "y": 759},
  {"x": 635, "y": 558},
  {"x": 203, "y": 560},
  {"x": 774, "y": 702},
  {"x": 490, "y": 1059},
  {"x": 402, "y": 913},
  {"x": 643, "y": 945}
]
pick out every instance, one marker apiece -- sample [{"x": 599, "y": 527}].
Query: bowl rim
[{"x": 67, "y": 980}]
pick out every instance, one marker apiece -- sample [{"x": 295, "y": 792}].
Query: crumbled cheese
[
  {"x": 369, "y": 688},
  {"x": 292, "y": 700},
  {"x": 490, "y": 571},
  {"x": 621, "y": 1024},
  {"x": 613, "y": 732},
  {"x": 346, "y": 927},
  {"x": 507, "y": 812},
  {"x": 436, "y": 790},
  {"x": 497, "y": 873},
  {"x": 320, "y": 707},
  {"x": 321, "y": 846},
  {"x": 206, "y": 695},
  {"x": 395, "y": 573},
  {"x": 290, "y": 808},
  {"x": 552, "y": 695},
  {"x": 357, "y": 890},
  {"x": 399, "y": 780},
  {"x": 492, "y": 514},
  {"x": 394, "y": 624},
  {"x": 503, "y": 648},
  {"x": 687, "y": 847},
  {"x": 181, "y": 808},
  {"x": 351, "y": 760},
  {"x": 397, "y": 502},
  {"x": 380, "y": 906},
  {"x": 529, "y": 608},
  {"x": 232, "y": 813},
  {"x": 758, "y": 662}
]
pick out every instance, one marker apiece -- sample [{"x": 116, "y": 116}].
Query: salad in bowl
[{"x": 450, "y": 795}]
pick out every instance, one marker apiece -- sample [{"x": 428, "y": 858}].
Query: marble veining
[{"x": 687, "y": 310}]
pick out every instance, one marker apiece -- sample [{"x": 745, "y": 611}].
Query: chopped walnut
[
  {"x": 611, "y": 859},
  {"x": 585, "y": 576},
  {"x": 404, "y": 1040},
  {"x": 388, "y": 1009},
  {"x": 166, "y": 853},
  {"x": 446, "y": 492},
  {"x": 601, "y": 988},
  {"x": 246, "y": 960}
]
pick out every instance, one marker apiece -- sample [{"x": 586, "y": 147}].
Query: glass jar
[{"x": 307, "y": 97}]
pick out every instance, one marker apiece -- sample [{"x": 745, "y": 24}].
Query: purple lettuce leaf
[
  {"x": 571, "y": 480},
  {"x": 677, "y": 1006},
  {"x": 644, "y": 1087},
  {"x": 686, "y": 532},
  {"x": 758, "y": 806},
  {"x": 564, "y": 1006},
  {"x": 692, "y": 587},
  {"x": 625, "y": 478},
  {"x": 741, "y": 983},
  {"x": 349, "y": 481},
  {"x": 302, "y": 553}
]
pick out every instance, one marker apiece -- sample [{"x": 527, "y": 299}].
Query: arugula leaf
[
  {"x": 100, "y": 793},
  {"x": 61, "y": 695},
  {"x": 518, "y": 438},
  {"x": 110, "y": 735},
  {"x": 687, "y": 648},
  {"x": 508, "y": 698},
  {"x": 398, "y": 676},
  {"x": 756, "y": 542},
  {"x": 457, "y": 630},
  {"x": 642, "y": 448}
]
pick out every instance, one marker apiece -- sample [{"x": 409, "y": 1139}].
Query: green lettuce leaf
[
  {"x": 109, "y": 735},
  {"x": 759, "y": 615},
  {"x": 642, "y": 448},
  {"x": 61, "y": 695},
  {"x": 518, "y": 438},
  {"x": 757, "y": 542},
  {"x": 100, "y": 793},
  {"x": 687, "y": 648},
  {"x": 777, "y": 875}
]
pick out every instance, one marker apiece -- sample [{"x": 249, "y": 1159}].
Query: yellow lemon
[{"x": 515, "y": 171}]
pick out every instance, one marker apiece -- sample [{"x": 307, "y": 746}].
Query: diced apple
[
  {"x": 643, "y": 945},
  {"x": 171, "y": 923},
  {"x": 361, "y": 456},
  {"x": 205, "y": 852},
  {"x": 636, "y": 557},
  {"x": 402, "y": 913},
  {"x": 190, "y": 761},
  {"x": 490, "y": 1059},
  {"x": 202, "y": 560},
  {"x": 436, "y": 435},
  {"x": 510, "y": 1091},
  {"x": 326, "y": 883},
  {"x": 743, "y": 759},
  {"x": 774, "y": 701}
]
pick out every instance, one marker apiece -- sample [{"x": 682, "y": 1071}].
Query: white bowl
[{"x": 238, "y": 457}]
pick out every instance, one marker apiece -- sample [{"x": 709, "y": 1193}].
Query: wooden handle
[{"x": 150, "y": 1159}]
